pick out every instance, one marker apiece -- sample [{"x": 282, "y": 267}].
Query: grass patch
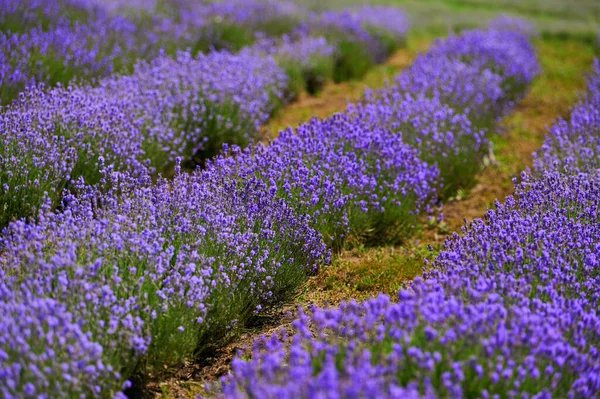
[{"x": 364, "y": 272}]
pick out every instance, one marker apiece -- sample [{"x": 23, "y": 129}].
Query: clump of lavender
[
  {"x": 507, "y": 53},
  {"x": 380, "y": 26},
  {"x": 442, "y": 136},
  {"x": 308, "y": 61},
  {"x": 448, "y": 101},
  {"x": 362, "y": 36},
  {"x": 481, "y": 72},
  {"x": 353, "y": 180}
]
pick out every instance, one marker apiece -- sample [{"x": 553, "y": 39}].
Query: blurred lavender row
[
  {"x": 130, "y": 275},
  {"x": 54, "y": 42},
  {"x": 573, "y": 145},
  {"x": 507, "y": 309}
]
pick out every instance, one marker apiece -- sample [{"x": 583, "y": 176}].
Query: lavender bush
[
  {"x": 447, "y": 103},
  {"x": 482, "y": 72},
  {"x": 362, "y": 36},
  {"x": 443, "y": 137},
  {"x": 351, "y": 179},
  {"x": 308, "y": 61}
]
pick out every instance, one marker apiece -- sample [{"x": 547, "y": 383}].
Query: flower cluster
[
  {"x": 448, "y": 101},
  {"x": 444, "y": 137},
  {"x": 166, "y": 108},
  {"x": 482, "y": 72},
  {"x": 349, "y": 177},
  {"x": 453, "y": 81}
]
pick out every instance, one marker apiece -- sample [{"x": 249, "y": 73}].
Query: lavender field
[{"x": 277, "y": 199}]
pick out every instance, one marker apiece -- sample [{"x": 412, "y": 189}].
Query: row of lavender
[
  {"x": 508, "y": 309},
  {"x": 61, "y": 40},
  {"x": 132, "y": 274}
]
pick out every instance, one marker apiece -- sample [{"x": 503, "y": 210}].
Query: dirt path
[{"x": 364, "y": 272}]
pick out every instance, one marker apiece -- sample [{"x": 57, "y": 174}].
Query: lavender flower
[{"x": 442, "y": 136}]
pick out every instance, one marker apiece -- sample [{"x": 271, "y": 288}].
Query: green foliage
[{"x": 352, "y": 61}]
